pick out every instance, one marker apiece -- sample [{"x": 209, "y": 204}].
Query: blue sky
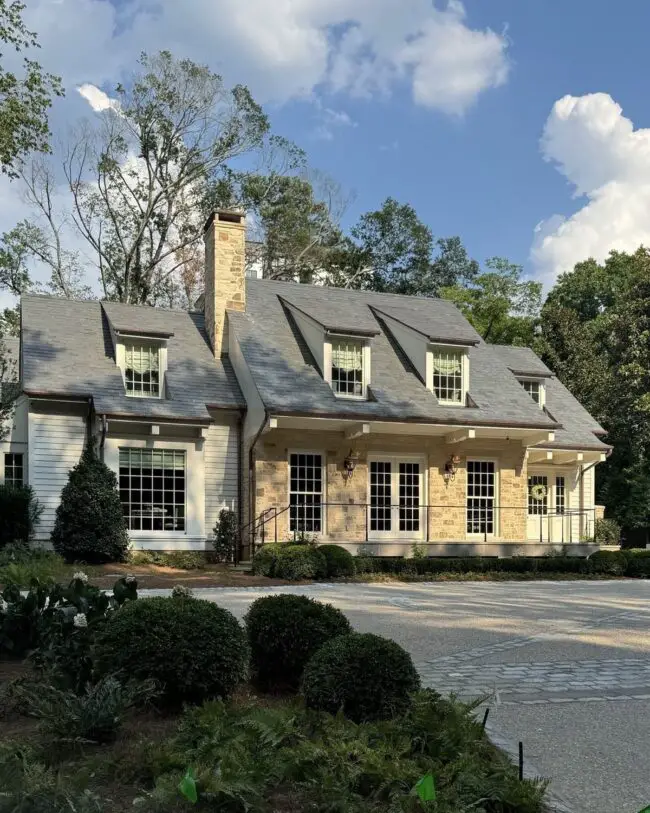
[{"x": 490, "y": 118}]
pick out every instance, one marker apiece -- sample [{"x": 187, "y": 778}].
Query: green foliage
[
  {"x": 20, "y": 618},
  {"x": 609, "y": 562},
  {"x": 364, "y": 675},
  {"x": 193, "y": 649},
  {"x": 94, "y": 715},
  {"x": 29, "y": 786},
  {"x": 249, "y": 758},
  {"x": 595, "y": 329},
  {"x": 340, "y": 562},
  {"x": 392, "y": 250},
  {"x": 89, "y": 523},
  {"x": 284, "y": 632},
  {"x": 226, "y": 535},
  {"x": 607, "y": 532},
  {"x": 68, "y": 625},
  {"x": 291, "y": 562},
  {"x": 19, "y": 513},
  {"x": 177, "y": 559},
  {"x": 470, "y": 564},
  {"x": 503, "y": 307},
  {"x": 20, "y": 565},
  {"x": 26, "y": 99},
  {"x": 638, "y": 563}
]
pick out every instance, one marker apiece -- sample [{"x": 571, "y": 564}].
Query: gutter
[
  {"x": 104, "y": 421},
  {"x": 251, "y": 464}
]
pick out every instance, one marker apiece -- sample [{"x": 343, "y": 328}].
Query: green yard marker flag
[
  {"x": 645, "y": 810},
  {"x": 187, "y": 786},
  {"x": 426, "y": 788}
]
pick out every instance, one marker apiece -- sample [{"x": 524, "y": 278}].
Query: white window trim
[
  {"x": 542, "y": 389},
  {"x": 497, "y": 477},
  {"x": 323, "y": 518},
  {"x": 327, "y": 366},
  {"x": 120, "y": 360},
  {"x": 395, "y": 460},
  {"x": 431, "y": 349}
]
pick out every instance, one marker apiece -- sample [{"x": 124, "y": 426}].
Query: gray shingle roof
[
  {"x": 436, "y": 319},
  {"x": 521, "y": 360},
  {"x": 67, "y": 350},
  {"x": 289, "y": 382}
]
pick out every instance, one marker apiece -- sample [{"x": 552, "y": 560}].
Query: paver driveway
[{"x": 567, "y": 663}]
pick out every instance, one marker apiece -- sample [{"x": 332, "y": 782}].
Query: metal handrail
[{"x": 272, "y": 513}]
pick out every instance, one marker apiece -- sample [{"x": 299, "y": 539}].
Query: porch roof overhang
[
  {"x": 564, "y": 457},
  {"x": 450, "y": 433}
]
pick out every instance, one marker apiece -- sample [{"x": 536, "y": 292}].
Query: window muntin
[
  {"x": 14, "y": 471},
  {"x": 347, "y": 368},
  {"x": 448, "y": 382},
  {"x": 153, "y": 489},
  {"x": 481, "y": 497},
  {"x": 537, "y": 508},
  {"x": 306, "y": 492},
  {"x": 142, "y": 370},
  {"x": 560, "y": 495},
  {"x": 536, "y": 391}
]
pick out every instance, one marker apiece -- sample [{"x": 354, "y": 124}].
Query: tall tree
[
  {"x": 393, "y": 251},
  {"x": 501, "y": 305},
  {"x": 24, "y": 99},
  {"x": 596, "y": 336}
]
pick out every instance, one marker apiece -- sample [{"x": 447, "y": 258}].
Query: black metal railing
[{"x": 390, "y": 521}]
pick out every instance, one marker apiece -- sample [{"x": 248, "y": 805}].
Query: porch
[{"x": 449, "y": 491}]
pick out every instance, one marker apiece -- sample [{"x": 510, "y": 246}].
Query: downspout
[
  {"x": 240, "y": 483},
  {"x": 102, "y": 441},
  {"x": 89, "y": 421},
  {"x": 581, "y": 474}
]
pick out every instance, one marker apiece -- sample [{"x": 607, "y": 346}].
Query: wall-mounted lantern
[
  {"x": 451, "y": 467},
  {"x": 350, "y": 464}
]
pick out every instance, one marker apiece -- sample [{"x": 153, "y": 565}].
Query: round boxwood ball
[
  {"x": 193, "y": 648},
  {"x": 340, "y": 562},
  {"x": 284, "y": 632},
  {"x": 368, "y": 677}
]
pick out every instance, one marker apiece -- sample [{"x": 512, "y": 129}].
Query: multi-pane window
[
  {"x": 14, "y": 474},
  {"x": 347, "y": 368},
  {"x": 534, "y": 389},
  {"x": 381, "y": 480},
  {"x": 409, "y": 497},
  {"x": 153, "y": 489},
  {"x": 306, "y": 493},
  {"x": 537, "y": 495},
  {"x": 481, "y": 495},
  {"x": 142, "y": 370},
  {"x": 448, "y": 375},
  {"x": 560, "y": 495}
]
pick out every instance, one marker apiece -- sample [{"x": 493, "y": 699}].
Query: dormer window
[
  {"x": 449, "y": 374},
  {"x": 142, "y": 370},
  {"x": 535, "y": 389},
  {"x": 348, "y": 368}
]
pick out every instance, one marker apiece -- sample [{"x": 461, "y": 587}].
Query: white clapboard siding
[
  {"x": 220, "y": 455},
  {"x": 55, "y": 446}
]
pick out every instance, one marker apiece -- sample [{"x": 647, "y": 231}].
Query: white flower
[
  {"x": 80, "y": 620},
  {"x": 3, "y": 605},
  {"x": 80, "y": 576},
  {"x": 180, "y": 591},
  {"x": 130, "y": 579}
]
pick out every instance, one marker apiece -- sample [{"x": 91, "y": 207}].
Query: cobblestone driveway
[{"x": 566, "y": 666}]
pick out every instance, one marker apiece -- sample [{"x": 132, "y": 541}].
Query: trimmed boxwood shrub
[
  {"x": 194, "y": 649},
  {"x": 607, "y": 532},
  {"x": 638, "y": 563},
  {"x": 284, "y": 632},
  {"x": 89, "y": 523},
  {"x": 609, "y": 562},
  {"x": 291, "y": 562},
  {"x": 340, "y": 562},
  {"x": 365, "y": 675}
]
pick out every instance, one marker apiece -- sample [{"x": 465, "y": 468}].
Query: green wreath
[{"x": 538, "y": 492}]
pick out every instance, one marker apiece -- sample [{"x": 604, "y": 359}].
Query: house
[{"x": 372, "y": 420}]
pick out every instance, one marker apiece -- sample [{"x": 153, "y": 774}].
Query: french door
[
  {"x": 396, "y": 498},
  {"x": 548, "y": 507}
]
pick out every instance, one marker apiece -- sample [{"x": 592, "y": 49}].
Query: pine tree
[{"x": 89, "y": 524}]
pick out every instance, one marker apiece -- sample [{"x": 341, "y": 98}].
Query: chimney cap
[{"x": 233, "y": 215}]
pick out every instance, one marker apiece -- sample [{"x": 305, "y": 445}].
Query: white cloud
[
  {"x": 607, "y": 161},
  {"x": 330, "y": 120},
  {"x": 285, "y": 49},
  {"x": 96, "y": 98}
]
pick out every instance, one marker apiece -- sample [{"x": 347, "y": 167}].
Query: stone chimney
[{"x": 225, "y": 273}]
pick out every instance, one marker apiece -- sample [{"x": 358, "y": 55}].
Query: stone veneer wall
[{"x": 347, "y": 521}]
